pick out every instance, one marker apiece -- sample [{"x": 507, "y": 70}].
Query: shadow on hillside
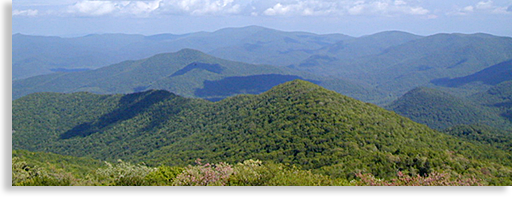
[
  {"x": 255, "y": 84},
  {"x": 130, "y": 106}
]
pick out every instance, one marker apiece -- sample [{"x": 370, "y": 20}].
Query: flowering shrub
[
  {"x": 434, "y": 179},
  {"x": 205, "y": 175},
  {"x": 248, "y": 173}
]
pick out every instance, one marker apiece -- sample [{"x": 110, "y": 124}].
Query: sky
[{"x": 350, "y": 17}]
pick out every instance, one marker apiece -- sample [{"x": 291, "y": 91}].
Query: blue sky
[{"x": 351, "y": 17}]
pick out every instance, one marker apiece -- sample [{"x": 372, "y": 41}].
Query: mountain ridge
[
  {"x": 400, "y": 68},
  {"x": 297, "y": 122},
  {"x": 441, "y": 110},
  {"x": 185, "y": 73},
  {"x": 97, "y": 50},
  {"x": 492, "y": 75}
]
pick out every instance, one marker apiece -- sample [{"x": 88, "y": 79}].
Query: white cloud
[
  {"x": 468, "y": 9},
  {"x": 113, "y": 8},
  {"x": 200, "y": 7},
  {"x": 482, "y": 7},
  {"x": 278, "y": 9},
  {"x": 28, "y": 12},
  {"x": 147, "y": 8},
  {"x": 346, "y": 7},
  {"x": 93, "y": 8},
  {"x": 387, "y": 8},
  {"x": 140, "y": 8}
]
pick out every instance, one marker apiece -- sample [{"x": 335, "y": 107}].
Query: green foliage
[
  {"x": 297, "y": 177},
  {"x": 297, "y": 123},
  {"x": 247, "y": 173},
  {"x": 440, "y": 110},
  {"x": 21, "y": 171},
  {"x": 24, "y": 174},
  {"x": 123, "y": 174},
  {"x": 483, "y": 134},
  {"x": 163, "y": 175},
  {"x": 250, "y": 173},
  {"x": 433, "y": 179}
]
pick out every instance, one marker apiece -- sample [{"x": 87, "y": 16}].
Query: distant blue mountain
[{"x": 492, "y": 75}]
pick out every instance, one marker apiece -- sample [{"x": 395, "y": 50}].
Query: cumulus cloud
[
  {"x": 93, "y": 8},
  {"x": 149, "y": 8},
  {"x": 145, "y": 8},
  {"x": 483, "y": 7},
  {"x": 155, "y": 7},
  {"x": 388, "y": 8},
  {"x": 100, "y": 8},
  {"x": 200, "y": 7},
  {"x": 359, "y": 7}
]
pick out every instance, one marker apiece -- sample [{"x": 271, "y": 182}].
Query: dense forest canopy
[{"x": 297, "y": 123}]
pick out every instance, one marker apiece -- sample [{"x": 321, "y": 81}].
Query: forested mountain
[
  {"x": 226, "y": 97},
  {"x": 402, "y": 67},
  {"x": 367, "y": 45},
  {"x": 188, "y": 73},
  {"x": 392, "y": 62},
  {"x": 36, "y": 55},
  {"x": 440, "y": 110},
  {"x": 297, "y": 123},
  {"x": 483, "y": 134},
  {"x": 498, "y": 97},
  {"x": 492, "y": 75}
]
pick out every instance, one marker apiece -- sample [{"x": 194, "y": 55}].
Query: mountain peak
[
  {"x": 189, "y": 51},
  {"x": 296, "y": 85},
  {"x": 192, "y": 54},
  {"x": 299, "y": 83},
  {"x": 305, "y": 91}
]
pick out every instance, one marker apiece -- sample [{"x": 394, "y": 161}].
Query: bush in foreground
[{"x": 247, "y": 173}]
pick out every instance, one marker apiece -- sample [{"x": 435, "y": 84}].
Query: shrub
[
  {"x": 434, "y": 179},
  {"x": 205, "y": 175},
  {"x": 163, "y": 175},
  {"x": 123, "y": 174},
  {"x": 249, "y": 173}
]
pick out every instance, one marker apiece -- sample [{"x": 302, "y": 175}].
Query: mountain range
[
  {"x": 406, "y": 65},
  {"x": 297, "y": 122},
  {"x": 187, "y": 72},
  {"x": 36, "y": 55},
  {"x": 392, "y": 62},
  {"x": 330, "y": 105}
]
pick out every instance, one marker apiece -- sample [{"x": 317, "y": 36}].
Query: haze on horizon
[{"x": 350, "y": 17}]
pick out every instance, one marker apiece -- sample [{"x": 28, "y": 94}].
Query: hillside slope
[
  {"x": 440, "y": 110},
  {"x": 297, "y": 123},
  {"x": 187, "y": 72},
  {"x": 37, "y": 55},
  {"x": 400, "y": 68},
  {"x": 492, "y": 75}
]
